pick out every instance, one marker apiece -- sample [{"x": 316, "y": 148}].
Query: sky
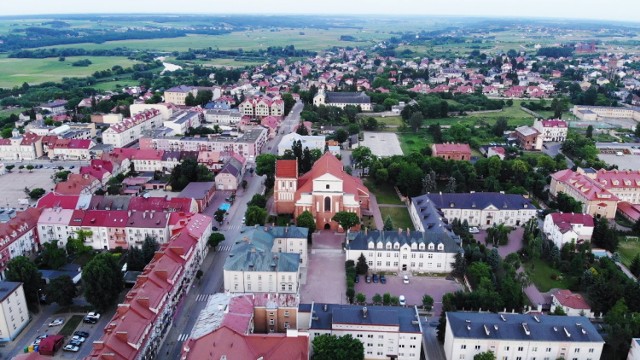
[{"x": 621, "y": 10}]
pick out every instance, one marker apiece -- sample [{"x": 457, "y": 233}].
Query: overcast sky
[{"x": 624, "y": 10}]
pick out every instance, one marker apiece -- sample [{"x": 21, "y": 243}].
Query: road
[
  {"x": 212, "y": 280},
  {"x": 554, "y": 148}
]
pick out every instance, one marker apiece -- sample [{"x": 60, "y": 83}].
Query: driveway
[{"x": 514, "y": 244}]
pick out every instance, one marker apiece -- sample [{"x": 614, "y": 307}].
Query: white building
[
  {"x": 311, "y": 142},
  {"x": 19, "y": 147},
  {"x": 262, "y": 106},
  {"x": 266, "y": 260},
  {"x": 572, "y": 304},
  {"x": 342, "y": 99},
  {"x": 552, "y": 130},
  {"x": 53, "y": 225},
  {"x": 166, "y": 109},
  {"x": 634, "y": 349},
  {"x": 18, "y": 237},
  {"x": 384, "y": 331},
  {"x": 180, "y": 122},
  {"x": 565, "y": 228},
  {"x": 222, "y": 116},
  {"x": 14, "y": 315},
  {"x": 517, "y": 336},
  {"x": 130, "y": 129}
]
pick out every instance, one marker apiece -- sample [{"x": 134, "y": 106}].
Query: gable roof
[
  {"x": 329, "y": 164},
  {"x": 287, "y": 169},
  {"x": 347, "y": 98},
  {"x": 481, "y": 200},
  {"x": 571, "y": 300}
]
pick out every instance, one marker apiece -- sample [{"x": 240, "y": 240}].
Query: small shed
[{"x": 50, "y": 344}]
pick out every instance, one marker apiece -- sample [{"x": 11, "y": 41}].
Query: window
[
  {"x": 463, "y": 347},
  {"x": 370, "y": 336},
  {"x": 534, "y": 349},
  {"x": 477, "y": 347},
  {"x": 520, "y": 348},
  {"x": 506, "y": 348},
  {"x": 327, "y": 186},
  {"x": 591, "y": 350},
  {"x": 327, "y": 204},
  {"x": 272, "y": 321},
  {"x": 286, "y": 313},
  {"x": 548, "y": 349},
  {"x": 576, "y": 350}
]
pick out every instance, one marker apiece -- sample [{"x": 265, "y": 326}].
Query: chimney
[
  {"x": 408, "y": 232},
  {"x": 122, "y": 335},
  {"x": 365, "y": 230},
  {"x": 98, "y": 345},
  {"x": 144, "y": 214}
]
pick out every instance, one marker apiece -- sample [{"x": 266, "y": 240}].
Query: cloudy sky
[{"x": 623, "y": 10}]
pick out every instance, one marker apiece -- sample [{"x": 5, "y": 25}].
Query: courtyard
[
  {"x": 12, "y": 185},
  {"x": 325, "y": 281},
  {"x": 382, "y": 144}
]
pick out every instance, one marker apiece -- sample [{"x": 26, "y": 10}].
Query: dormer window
[
  {"x": 396, "y": 246},
  {"x": 379, "y": 245},
  {"x": 431, "y": 246},
  {"x": 421, "y": 246},
  {"x": 388, "y": 246},
  {"x": 370, "y": 246},
  {"x": 440, "y": 247}
]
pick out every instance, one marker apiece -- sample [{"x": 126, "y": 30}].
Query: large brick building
[{"x": 451, "y": 151}]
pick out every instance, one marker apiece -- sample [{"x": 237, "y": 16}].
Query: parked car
[
  {"x": 78, "y": 338},
  {"x": 91, "y": 318},
  {"x": 402, "y": 301},
  {"x": 75, "y": 343},
  {"x": 84, "y": 334},
  {"x": 405, "y": 279},
  {"x": 474, "y": 230},
  {"x": 356, "y": 279},
  {"x": 367, "y": 279},
  {"x": 71, "y": 348},
  {"x": 38, "y": 339},
  {"x": 71, "y": 167},
  {"x": 383, "y": 280},
  {"x": 375, "y": 278},
  {"x": 56, "y": 322}
]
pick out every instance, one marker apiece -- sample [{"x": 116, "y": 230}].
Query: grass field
[
  {"x": 71, "y": 325},
  {"x": 115, "y": 85},
  {"x": 540, "y": 274},
  {"x": 399, "y": 216},
  {"x": 384, "y": 192},
  {"x": 410, "y": 142},
  {"x": 390, "y": 120},
  {"x": 15, "y": 72},
  {"x": 7, "y": 112},
  {"x": 628, "y": 250}
]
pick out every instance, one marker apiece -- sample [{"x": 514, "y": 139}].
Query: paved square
[
  {"x": 12, "y": 185},
  {"x": 435, "y": 287},
  {"x": 326, "y": 280},
  {"x": 382, "y": 144}
]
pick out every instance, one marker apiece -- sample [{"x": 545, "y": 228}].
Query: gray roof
[
  {"x": 471, "y": 325},
  {"x": 347, "y": 98},
  {"x": 402, "y": 317},
  {"x": 360, "y": 240},
  {"x": 432, "y": 219},
  {"x": 481, "y": 200},
  {"x": 197, "y": 190},
  {"x": 233, "y": 167},
  {"x": 7, "y": 288}
]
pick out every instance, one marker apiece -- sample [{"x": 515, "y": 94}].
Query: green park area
[
  {"x": 545, "y": 277},
  {"x": 399, "y": 216},
  {"x": 628, "y": 249},
  {"x": 385, "y": 194}
]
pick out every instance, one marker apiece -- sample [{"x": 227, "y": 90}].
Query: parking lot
[
  {"x": 417, "y": 287},
  {"x": 12, "y": 185},
  {"x": 325, "y": 275},
  {"x": 382, "y": 144}
]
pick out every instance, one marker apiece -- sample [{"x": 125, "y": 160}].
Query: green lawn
[
  {"x": 15, "y": 72},
  {"x": 71, "y": 325},
  {"x": 540, "y": 274},
  {"x": 390, "y": 120},
  {"x": 5, "y": 113},
  {"x": 215, "y": 62},
  {"x": 384, "y": 192},
  {"x": 399, "y": 216},
  {"x": 115, "y": 84},
  {"x": 410, "y": 142},
  {"x": 628, "y": 249}
]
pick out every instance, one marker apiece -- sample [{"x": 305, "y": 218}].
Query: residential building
[
  {"x": 18, "y": 237},
  {"x": 14, "y": 315},
  {"x": 55, "y": 107},
  {"x": 342, "y": 99},
  {"x": 129, "y": 130},
  {"x": 571, "y": 303},
  {"x": 563, "y": 228},
  {"x": 634, "y": 349},
  {"x": 513, "y": 336},
  {"x": 230, "y": 176},
  {"x": 325, "y": 190},
  {"x": 223, "y": 116},
  {"x": 451, "y": 151},
  {"x": 21, "y": 147},
  {"x": 72, "y": 149},
  {"x": 102, "y": 170},
  {"x": 262, "y": 106},
  {"x": 552, "y": 130},
  {"x": 201, "y": 192},
  {"x": 78, "y": 184},
  {"x": 309, "y": 141},
  {"x": 498, "y": 151},
  {"x": 212, "y": 160},
  {"x": 53, "y": 225},
  {"x": 484, "y": 209},
  {"x": 528, "y": 138},
  {"x": 166, "y": 109},
  {"x": 415, "y": 251},
  {"x": 142, "y": 224},
  {"x": 178, "y": 94},
  {"x": 266, "y": 260},
  {"x": 597, "y": 191},
  {"x": 181, "y": 121},
  {"x": 385, "y": 331}
]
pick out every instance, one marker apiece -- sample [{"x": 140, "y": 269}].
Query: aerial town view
[{"x": 336, "y": 180}]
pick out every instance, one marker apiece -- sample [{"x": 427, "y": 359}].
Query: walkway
[{"x": 375, "y": 211}]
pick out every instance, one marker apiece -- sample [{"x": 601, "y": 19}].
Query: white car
[
  {"x": 56, "y": 322},
  {"x": 71, "y": 348},
  {"x": 405, "y": 279},
  {"x": 474, "y": 230},
  {"x": 402, "y": 301},
  {"x": 78, "y": 338}
]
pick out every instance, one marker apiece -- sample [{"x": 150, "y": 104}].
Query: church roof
[
  {"x": 329, "y": 164},
  {"x": 347, "y": 98}
]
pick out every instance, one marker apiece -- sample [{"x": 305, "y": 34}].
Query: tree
[
  {"x": 21, "y": 269},
  {"x": 388, "y": 224},
  {"x": 258, "y": 200},
  {"x": 188, "y": 171},
  {"x": 589, "y": 131},
  {"x": 427, "y": 302},
  {"x": 52, "y": 256},
  {"x": 302, "y": 130},
  {"x": 346, "y": 219},
  {"x": 102, "y": 281},
  {"x": 361, "y": 298},
  {"x": 190, "y": 100},
  {"x": 341, "y": 135},
  {"x": 331, "y": 347},
  {"x": 255, "y": 215},
  {"x": 215, "y": 239},
  {"x": 135, "y": 259},
  {"x": 9, "y": 167},
  {"x": 362, "y": 267},
  {"x": 266, "y": 165},
  {"x": 75, "y": 245},
  {"x": 386, "y": 299},
  {"x": 36, "y": 193},
  {"x": 149, "y": 248},
  {"x": 500, "y": 126},
  {"x": 30, "y": 167},
  {"x": 487, "y": 355},
  {"x": 415, "y": 121},
  {"x": 635, "y": 265},
  {"x": 558, "y": 311},
  {"x": 377, "y": 299},
  {"x": 219, "y": 215},
  {"x": 62, "y": 290},
  {"x": 306, "y": 220}
]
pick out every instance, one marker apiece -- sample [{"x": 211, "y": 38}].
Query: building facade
[
  {"x": 14, "y": 315},
  {"x": 568, "y": 227},
  {"x": 311, "y": 142},
  {"x": 552, "y": 130},
  {"x": 19, "y": 237},
  {"x": 342, "y": 99},
  {"x": 178, "y": 94},
  {"x": 451, "y": 151},
  {"x": 129, "y": 130},
  {"x": 528, "y": 138},
  {"x": 597, "y": 191}
]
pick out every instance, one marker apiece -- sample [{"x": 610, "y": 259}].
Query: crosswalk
[
  {"x": 183, "y": 336},
  {"x": 203, "y": 297},
  {"x": 233, "y": 227},
  {"x": 223, "y": 248}
]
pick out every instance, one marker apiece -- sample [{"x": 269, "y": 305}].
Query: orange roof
[
  {"x": 447, "y": 148},
  {"x": 571, "y": 300},
  {"x": 287, "y": 169},
  {"x": 329, "y": 164}
]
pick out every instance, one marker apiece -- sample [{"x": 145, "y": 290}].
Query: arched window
[{"x": 327, "y": 204}]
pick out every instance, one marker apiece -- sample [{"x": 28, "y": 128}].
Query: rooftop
[
  {"x": 326, "y": 315},
  {"x": 287, "y": 169},
  {"x": 7, "y": 288},
  {"x": 347, "y": 98},
  {"x": 571, "y": 300},
  {"x": 481, "y": 200}
]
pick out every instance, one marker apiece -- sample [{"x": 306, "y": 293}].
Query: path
[{"x": 375, "y": 211}]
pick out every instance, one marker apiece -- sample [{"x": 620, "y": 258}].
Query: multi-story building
[
  {"x": 311, "y": 142},
  {"x": 451, "y": 151},
  {"x": 386, "y": 332},
  {"x": 230, "y": 176},
  {"x": 528, "y": 138},
  {"x": 177, "y": 95},
  {"x": 166, "y": 109},
  {"x": 223, "y": 116},
  {"x": 262, "y": 106},
  {"x": 342, "y": 99},
  {"x": 517, "y": 336},
  {"x": 142, "y": 224},
  {"x": 598, "y": 191},
  {"x": 55, "y": 107},
  {"x": 53, "y": 225},
  {"x": 181, "y": 121},
  {"x": 72, "y": 149},
  {"x": 563, "y": 228},
  {"x": 18, "y": 237},
  {"x": 14, "y": 315},
  {"x": 595, "y": 113},
  {"x": 247, "y": 144},
  {"x": 26, "y": 146},
  {"x": 552, "y": 130},
  {"x": 130, "y": 129},
  {"x": 483, "y": 209},
  {"x": 324, "y": 190},
  {"x": 416, "y": 251},
  {"x": 266, "y": 260}
]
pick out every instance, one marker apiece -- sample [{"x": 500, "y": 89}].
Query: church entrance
[{"x": 327, "y": 226}]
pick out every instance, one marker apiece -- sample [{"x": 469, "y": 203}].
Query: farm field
[{"x": 15, "y": 72}]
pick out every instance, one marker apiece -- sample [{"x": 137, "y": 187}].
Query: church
[
  {"x": 342, "y": 99},
  {"x": 325, "y": 190}
]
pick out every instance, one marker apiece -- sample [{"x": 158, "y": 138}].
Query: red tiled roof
[
  {"x": 23, "y": 222},
  {"x": 449, "y": 148},
  {"x": 287, "y": 169},
  {"x": 588, "y": 187},
  {"x": 571, "y": 300},
  {"x": 75, "y": 184},
  {"x": 51, "y": 200},
  {"x": 554, "y": 123},
  {"x": 629, "y": 210},
  {"x": 571, "y": 218},
  {"x": 160, "y": 204},
  {"x": 329, "y": 164}
]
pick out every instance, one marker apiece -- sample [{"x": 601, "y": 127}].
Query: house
[
  {"x": 597, "y": 192},
  {"x": 325, "y": 190},
  {"x": 230, "y": 176},
  {"x": 386, "y": 332},
  {"x": 552, "y": 130},
  {"x": 72, "y": 149},
  {"x": 55, "y": 107},
  {"x": 27, "y": 146},
  {"x": 143, "y": 224},
  {"x": 78, "y": 184},
  {"x": 563, "y": 228},
  {"x": 517, "y": 335},
  {"x": 451, "y": 151},
  {"x": 223, "y": 116},
  {"x": 572, "y": 304},
  {"x": 498, "y": 151},
  {"x": 18, "y": 237},
  {"x": 307, "y": 141},
  {"x": 201, "y": 192},
  {"x": 14, "y": 315},
  {"x": 99, "y": 169},
  {"x": 181, "y": 121},
  {"x": 342, "y": 99},
  {"x": 528, "y": 138},
  {"x": 212, "y": 160},
  {"x": 178, "y": 94},
  {"x": 484, "y": 209}
]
